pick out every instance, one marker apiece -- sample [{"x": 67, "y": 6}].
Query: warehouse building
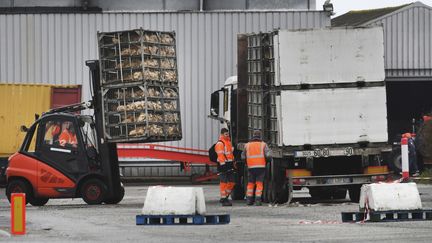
[
  {"x": 45, "y": 44},
  {"x": 408, "y": 59}
]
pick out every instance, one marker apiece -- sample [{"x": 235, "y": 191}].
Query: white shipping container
[
  {"x": 332, "y": 116},
  {"x": 337, "y": 55}
]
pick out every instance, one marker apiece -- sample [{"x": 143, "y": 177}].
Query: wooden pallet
[
  {"x": 182, "y": 219},
  {"x": 388, "y": 216}
]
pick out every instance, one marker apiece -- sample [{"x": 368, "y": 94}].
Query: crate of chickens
[
  {"x": 141, "y": 113},
  {"x": 137, "y": 56}
]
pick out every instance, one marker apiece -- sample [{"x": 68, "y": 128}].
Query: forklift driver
[{"x": 68, "y": 136}]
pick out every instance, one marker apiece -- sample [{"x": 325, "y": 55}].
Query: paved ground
[{"x": 304, "y": 220}]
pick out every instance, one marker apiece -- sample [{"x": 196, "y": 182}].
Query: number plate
[
  {"x": 324, "y": 152},
  {"x": 338, "y": 181}
]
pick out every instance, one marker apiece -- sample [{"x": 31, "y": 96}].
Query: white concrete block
[
  {"x": 200, "y": 200},
  {"x": 390, "y": 196},
  {"x": 162, "y": 200}
]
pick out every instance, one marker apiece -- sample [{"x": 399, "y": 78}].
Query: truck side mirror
[{"x": 214, "y": 104}]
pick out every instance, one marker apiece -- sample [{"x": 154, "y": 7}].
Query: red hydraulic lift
[{"x": 187, "y": 156}]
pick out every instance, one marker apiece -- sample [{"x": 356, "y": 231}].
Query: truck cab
[{"x": 224, "y": 96}]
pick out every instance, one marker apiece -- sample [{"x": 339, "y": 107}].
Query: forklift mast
[{"x": 107, "y": 151}]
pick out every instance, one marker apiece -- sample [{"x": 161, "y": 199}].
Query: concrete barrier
[
  {"x": 162, "y": 200},
  {"x": 390, "y": 196}
]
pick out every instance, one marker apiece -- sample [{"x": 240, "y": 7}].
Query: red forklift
[{"x": 88, "y": 168}]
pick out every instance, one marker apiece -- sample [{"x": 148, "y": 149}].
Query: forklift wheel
[
  {"x": 117, "y": 198},
  {"x": 93, "y": 191},
  {"x": 39, "y": 201},
  {"x": 19, "y": 186}
]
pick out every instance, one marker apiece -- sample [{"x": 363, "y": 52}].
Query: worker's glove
[
  {"x": 221, "y": 168},
  {"x": 229, "y": 166}
]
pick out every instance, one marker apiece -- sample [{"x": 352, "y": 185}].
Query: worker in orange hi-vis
[
  {"x": 225, "y": 158},
  {"x": 68, "y": 136},
  {"x": 257, "y": 153}
]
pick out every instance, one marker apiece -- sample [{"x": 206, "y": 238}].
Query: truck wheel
[
  {"x": 395, "y": 162},
  {"x": 268, "y": 185},
  {"x": 93, "y": 191},
  {"x": 39, "y": 201},
  {"x": 354, "y": 193},
  {"x": 282, "y": 194},
  {"x": 19, "y": 186},
  {"x": 239, "y": 190},
  {"x": 275, "y": 186},
  {"x": 117, "y": 198}
]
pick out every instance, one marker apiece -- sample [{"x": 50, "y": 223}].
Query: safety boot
[
  {"x": 225, "y": 202},
  {"x": 249, "y": 201}
]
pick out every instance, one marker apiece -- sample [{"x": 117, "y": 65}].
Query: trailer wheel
[
  {"x": 117, "y": 198},
  {"x": 93, "y": 191},
  {"x": 354, "y": 193},
  {"x": 39, "y": 201},
  {"x": 19, "y": 186}
]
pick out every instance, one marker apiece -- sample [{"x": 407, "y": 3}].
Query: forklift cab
[
  {"x": 59, "y": 158},
  {"x": 64, "y": 155},
  {"x": 65, "y": 142}
]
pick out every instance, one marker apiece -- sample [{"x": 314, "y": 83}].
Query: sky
[{"x": 343, "y": 6}]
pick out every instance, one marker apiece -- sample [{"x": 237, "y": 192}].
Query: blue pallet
[
  {"x": 182, "y": 219},
  {"x": 388, "y": 216}
]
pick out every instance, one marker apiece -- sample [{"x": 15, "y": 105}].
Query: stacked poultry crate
[
  {"x": 261, "y": 83},
  {"x": 139, "y": 86}
]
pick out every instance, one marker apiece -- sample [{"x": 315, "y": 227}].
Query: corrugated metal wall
[
  {"x": 52, "y": 49},
  {"x": 166, "y": 4},
  {"x": 408, "y": 42}
]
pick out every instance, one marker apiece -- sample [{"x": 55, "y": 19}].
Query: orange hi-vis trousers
[
  {"x": 226, "y": 189},
  {"x": 226, "y": 184},
  {"x": 255, "y": 177},
  {"x": 251, "y": 187}
]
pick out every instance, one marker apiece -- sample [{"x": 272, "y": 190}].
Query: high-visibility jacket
[
  {"x": 255, "y": 155},
  {"x": 224, "y": 150},
  {"x": 67, "y": 137}
]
